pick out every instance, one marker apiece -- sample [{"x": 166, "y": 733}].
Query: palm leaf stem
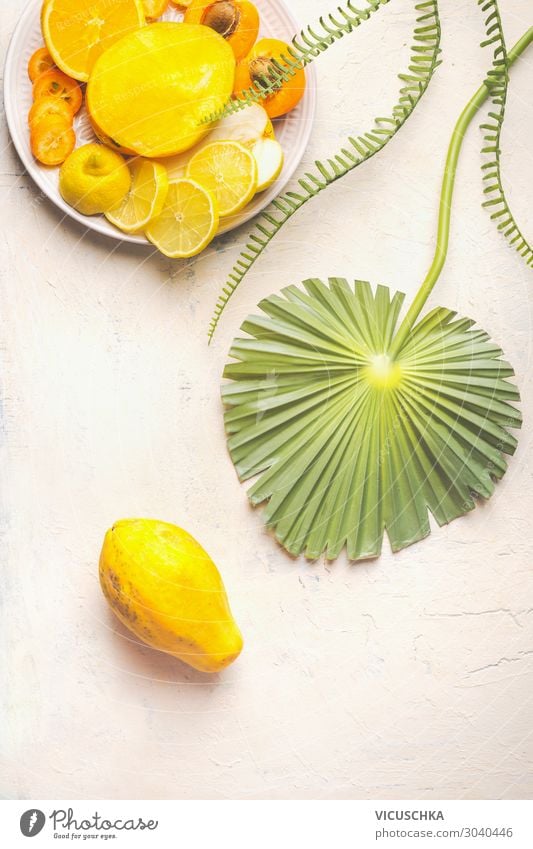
[{"x": 445, "y": 206}]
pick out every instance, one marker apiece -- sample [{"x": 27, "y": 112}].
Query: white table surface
[{"x": 405, "y": 677}]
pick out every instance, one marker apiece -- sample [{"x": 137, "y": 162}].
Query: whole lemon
[
  {"x": 94, "y": 179},
  {"x": 166, "y": 589},
  {"x": 152, "y": 90}
]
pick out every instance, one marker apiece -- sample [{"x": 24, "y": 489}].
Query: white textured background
[{"x": 406, "y": 677}]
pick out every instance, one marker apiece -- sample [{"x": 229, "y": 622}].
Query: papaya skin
[{"x": 165, "y": 589}]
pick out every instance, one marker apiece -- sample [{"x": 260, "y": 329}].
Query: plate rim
[{"x": 96, "y": 223}]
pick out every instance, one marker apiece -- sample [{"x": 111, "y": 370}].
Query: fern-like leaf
[
  {"x": 356, "y": 150},
  {"x": 497, "y": 82},
  {"x": 304, "y": 48}
]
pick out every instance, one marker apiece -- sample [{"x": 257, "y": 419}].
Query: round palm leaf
[{"x": 348, "y": 442}]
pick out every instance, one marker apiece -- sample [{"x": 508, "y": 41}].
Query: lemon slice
[
  {"x": 77, "y": 33},
  {"x": 269, "y": 157},
  {"x": 187, "y": 222},
  {"x": 145, "y": 199},
  {"x": 229, "y": 171}
]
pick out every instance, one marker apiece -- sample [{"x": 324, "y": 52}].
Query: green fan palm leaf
[
  {"x": 354, "y": 423},
  {"x": 348, "y": 443}
]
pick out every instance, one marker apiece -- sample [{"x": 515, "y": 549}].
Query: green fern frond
[
  {"x": 497, "y": 82},
  {"x": 356, "y": 150},
  {"x": 304, "y": 48}
]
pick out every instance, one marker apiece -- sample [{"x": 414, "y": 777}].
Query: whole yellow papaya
[{"x": 165, "y": 588}]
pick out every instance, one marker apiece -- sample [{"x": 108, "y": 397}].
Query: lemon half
[{"x": 188, "y": 221}]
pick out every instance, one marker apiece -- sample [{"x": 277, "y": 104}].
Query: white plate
[{"x": 293, "y": 131}]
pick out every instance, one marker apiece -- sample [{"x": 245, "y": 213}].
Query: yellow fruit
[
  {"x": 145, "y": 199},
  {"x": 268, "y": 154},
  {"x": 166, "y": 589},
  {"x": 188, "y": 221},
  {"x": 270, "y": 132},
  {"x": 77, "y": 32},
  {"x": 151, "y": 90},
  {"x": 229, "y": 170},
  {"x": 109, "y": 142},
  {"x": 153, "y": 9},
  {"x": 94, "y": 179},
  {"x": 246, "y": 126}
]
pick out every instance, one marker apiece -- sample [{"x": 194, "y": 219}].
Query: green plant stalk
[{"x": 445, "y": 206}]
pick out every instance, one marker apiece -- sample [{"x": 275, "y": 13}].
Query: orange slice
[
  {"x": 52, "y": 140},
  {"x": 55, "y": 83},
  {"x": 40, "y": 61},
  {"x": 77, "y": 33},
  {"x": 49, "y": 106}
]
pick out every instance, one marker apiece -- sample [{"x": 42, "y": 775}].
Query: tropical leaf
[
  {"x": 497, "y": 83},
  {"x": 303, "y": 49},
  {"x": 349, "y": 442},
  {"x": 423, "y": 63},
  {"x": 355, "y": 425}
]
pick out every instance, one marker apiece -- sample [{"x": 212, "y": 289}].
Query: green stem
[{"x": 446, "y": 196}]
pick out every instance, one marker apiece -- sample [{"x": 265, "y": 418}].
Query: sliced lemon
[
  {"x": 229, "y": 170},
  {"x": 77, "y": 33},
  {"x": 268, "y": 154},
  {"x": 187, "y": 222},
  {"x": 145, "y": 199}
]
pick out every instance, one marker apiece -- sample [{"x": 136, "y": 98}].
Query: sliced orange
[
  {"x": 52, "y": 140},
  {"x": 47, "y": 106},
  {"x": 77, "y": 33},
  {"x": 40, "y": 61},
  {"x": 55, "y": 83}
]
